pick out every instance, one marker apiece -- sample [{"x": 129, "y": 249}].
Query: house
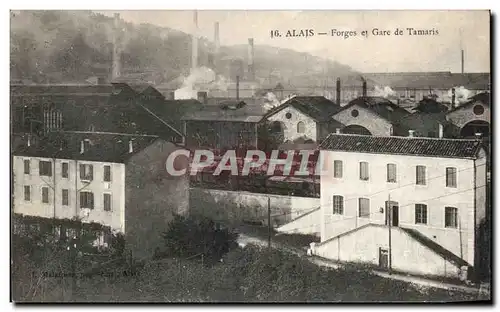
[
  {"x": 432, "y": 192},
  {"x": 304, "y": 117},
  {"x": 230, "y": 124},
  {"x": 117, "y": 180},
  {"x": 472, "y": 117},
  {"x": 371, "y": 116}
]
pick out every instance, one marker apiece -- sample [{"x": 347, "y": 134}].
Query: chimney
[
  {"x": 130, "y": 146},
  {"x": 202, "y": 97},
  {"x": 478, "y": 135},
  {"x": 194, "y": 44},
  {"x": 462, "y": 61},
  {"x": 216, "y": 42},
  {"x": 411, "y": 133},
  {"x": 82, "y": 147},
  {"x": 171, "y": 95},
  {"x": 441, "y": 131},
  {"x": 238, "y": 88},
  {"x": 452, "y": 98},
  {"x": 337, "y": 131},
  {"x": 251, "y": 69},
  {"x": 364, "y": 88},
  {"x": 338, "y": 91},
  {"x": 29, "y": 140},
  {"x": 116, "y": 48}
]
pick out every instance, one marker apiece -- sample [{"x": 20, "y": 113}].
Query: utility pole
[
  {"x": 389, "y": 212},
  {"x": 269, "y": 221}
]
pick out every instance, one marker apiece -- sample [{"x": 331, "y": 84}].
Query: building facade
[
  {"x": 431, "y": 191},
  {"x": 116, "y": 180}
]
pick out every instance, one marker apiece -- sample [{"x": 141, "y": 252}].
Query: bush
[{"x": 191, "y": 236}]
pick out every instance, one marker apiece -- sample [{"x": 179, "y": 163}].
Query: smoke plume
[
  {"x": 270, "y": 101},
  {"x": 461, "y": 95},
  {"x": 385, "y": 92},
  {"x": 201, "y": 79}
]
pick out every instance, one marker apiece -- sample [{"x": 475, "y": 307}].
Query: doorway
[{"x": 392, "y": 211}]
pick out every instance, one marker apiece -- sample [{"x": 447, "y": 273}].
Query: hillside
[{"x": 71, "y": 46}]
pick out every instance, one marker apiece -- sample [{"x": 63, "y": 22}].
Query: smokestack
[
  {"x": 251, "y": 69},
  {"x": 364, "y": 88},
  {"x": 194, "y": 45},
  {"x": 116, "y": 48},
  {"x": 238, "y": 88},
  {"x": 441, "y": 131},
  {"x": 462, "y": 61},
  {"x": 338, "y": 91},
  {"x": 452, "y": 98},
  {"x": 216, "y": 42}
]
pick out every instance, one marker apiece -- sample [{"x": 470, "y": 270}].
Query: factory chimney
[
  {"x": 194, "y": 44},
  {"x": 462, "y": 61},
  {"x": 216, "y": 42},
  {"x": 237, "y": 88},
  {"x": 452, "y": 98},
  {"x": 251, "y": 69},
  {"x": 338, "y": 91},
  {"x": 364, "y": 88},
  {"x": 116, "y": 48}
]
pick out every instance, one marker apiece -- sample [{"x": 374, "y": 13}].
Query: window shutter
[
  {"x": 91, "y": 172},
  {"x": 82, "y": 172},
  {"x": 82, "y": 199},
  {"x": 91, "y": 200}
]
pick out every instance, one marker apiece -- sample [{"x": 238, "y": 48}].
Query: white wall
[
  {"x": 290, "y": 131},
  {"x": 35, "y": 207},
  {"x": 435, "y": 195},
  {"x": 408, "y": 255}
]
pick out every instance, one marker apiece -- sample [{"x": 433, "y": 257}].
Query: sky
[{"x": 467, "y": 30}]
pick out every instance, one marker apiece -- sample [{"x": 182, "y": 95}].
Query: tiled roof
[
  {"x": 416, "y": 146},
  {"x": 105, "y": 147},
  {"x": 317, "y": 107},
  {"x": 247, "y": 113},
  {"x": 381, "y": 106},
  {"x": 60, "y": 89}
]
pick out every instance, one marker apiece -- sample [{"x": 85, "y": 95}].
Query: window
[
  {"x": 363, "y": 171},
  {"x": 420, "y": 175},
  {"x": 87, "y": 200},
  {"x": 45, "y": 195},
  {"x": 27, "y": 193},
  {"x": 301, "y": 127},
  {"x": 391, "y": 173},
  {"x": 450, "y": 217},
  {"x": 288, "y": 115},
  {"x": 45, "y": 168},
  {"x": 451, "y": 177},
  {"x": 364, "y": 208},
  {"x": 354, "y": 113},
  {"x": 478, "y": 110},
  {"x": 86, "y": 172},
  {"x": 107, "y": 202},
  {"x": 26, "y": 166},
  {"x": 338, "y": 204},
  {"x": 420, "y": 214},
  {"x": 65, "y": 170},
  {"x": 65, "y": 197},
  {"x": 107, "y": 173},
  {"x": 337, "y": 168}
]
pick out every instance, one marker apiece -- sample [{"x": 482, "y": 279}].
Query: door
[
  {"x": 392, "y": 211},
  {"x": 383, "y": 258}
]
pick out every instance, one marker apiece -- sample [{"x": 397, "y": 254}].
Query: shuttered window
[
  {"x": 363, "y": 171},
  {"x": 450, "y": 217},
  {"x": 338, "y": 204},
  {"x": 27, "y": 166},
  {"x": 337, "y": 168},
  {"x": 107, "y": 202},
  {"x": 391, "y": 173},
  {"x": 86, "y": 172},
  {"x": 420, "y": 175},
  {"x": 364, "y": 208},
  {"x": 451, "y": 177},
  {"x": 87, "y": 200},
  {"x": 107, "y": 173},
  {"x": 420, "y": 214},
  {"x": 65, "y": 170},
  {"x": 65, "y": 197},
  {"x": 45, "y": 195}
]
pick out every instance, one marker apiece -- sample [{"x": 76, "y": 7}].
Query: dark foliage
[{"x": 191, "y": 237}]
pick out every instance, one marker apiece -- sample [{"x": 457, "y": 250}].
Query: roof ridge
[{"x": 405, "y": 137}]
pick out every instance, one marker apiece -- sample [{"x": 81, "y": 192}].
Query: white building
[
  {"x": 116, "y": 180},
  {"x": 437, "y": 194}
]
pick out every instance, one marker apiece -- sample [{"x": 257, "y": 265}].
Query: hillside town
[{"x": 405, "y": 190}]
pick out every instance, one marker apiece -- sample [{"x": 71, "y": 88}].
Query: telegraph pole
[
  {"x": 389, "y": 218},
  {"x": 269, "y": 221}
]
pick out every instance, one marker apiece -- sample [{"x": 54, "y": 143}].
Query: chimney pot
[
  {"x": 441, "y": 131},
  {"x": 29, "y": 140},
  {"x": 411, "y": 133},
  {"x": 130, "y": 146},
  {"x": 82, "y": 147},
  {"x": 337, "y": 130}
]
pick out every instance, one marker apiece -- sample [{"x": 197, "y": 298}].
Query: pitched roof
[
  {"x": 61, "y": 89},
  {"x": 381, "y": 106},
  {"x": 105, "y": 147},
  {"x": 483, "y": 97},
  {"x": 426, "y": 80},
  {"x": 247, "y": 113},
  {"x": 317, "y": 107},
  {"x": 431, "y": 147}
]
